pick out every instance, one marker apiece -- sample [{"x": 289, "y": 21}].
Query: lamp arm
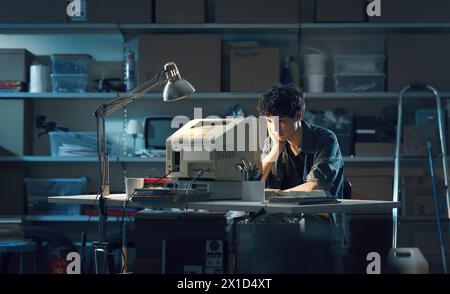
[{"x": 109, "y": 108}]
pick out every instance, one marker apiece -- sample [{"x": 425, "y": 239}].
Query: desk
[{"x": 344, "y": 206}]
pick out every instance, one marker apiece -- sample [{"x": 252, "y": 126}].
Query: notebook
[{"x": 299, "y": 197}]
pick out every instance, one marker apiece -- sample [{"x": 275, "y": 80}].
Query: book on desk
[{"x": 299, "y": 197}]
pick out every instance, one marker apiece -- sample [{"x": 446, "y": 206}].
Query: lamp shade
[
  {"x": 134, "y": 127},
  {"x": 176, "y": 88}
]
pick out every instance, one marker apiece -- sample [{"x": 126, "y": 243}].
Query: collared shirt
[{"x": 321, "y": 159}]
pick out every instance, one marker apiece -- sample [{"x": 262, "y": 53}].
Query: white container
[
  {"x": 314, "y": 63},
  {"x": 39, "y": 78},
  {"x": 133, "y": 183},
  {"x": 314, "y": 83},
  {"x": 407, "y": 261},
  {"x": 253, "y": 191}
]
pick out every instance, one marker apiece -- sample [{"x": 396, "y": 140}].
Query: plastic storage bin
[
  {"x": 359, "y": 83},
  {"x": 82, "y": 143},
  {"x": 70, "y": 63},
  {"x": 359, "y": 64},
  {"x": 62, "y": 83},
  {"x": 38, "y": 191}
]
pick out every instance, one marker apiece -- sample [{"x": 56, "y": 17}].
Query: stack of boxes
[{"x": 70, "y": 72}]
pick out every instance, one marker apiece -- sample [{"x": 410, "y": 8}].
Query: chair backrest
[{"x": 347, "y": 194}]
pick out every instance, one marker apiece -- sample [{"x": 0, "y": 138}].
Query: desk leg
[{"x": 341, "y": 247}]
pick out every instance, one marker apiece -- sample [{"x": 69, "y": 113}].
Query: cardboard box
[
  {"x": 180, "y": 11},
  {"x": 419, "y": 201},
  {"x": 413, "y": 11},
  {"x": 15, "y": 64},
  {"x": 374, "y": 149},
  {"x": 415, "y": 58},
  {"x": 424, "y": 236},
  {"x": 26, "y": 11},
  {"x": 15, "y": 127},
  {"x": 254, "y": 69},
  {"x": 198, "y": 58},
  {"x": 307, "y": 11},
  {"x": 12, "y": 194},
  {"x": 119, "y": 11},
  {"x": 415, "y": 140},
  {"x": 371, "y": 188},
  {"x": 340, "y": 11},
  {"x": 257, "y": 11}
]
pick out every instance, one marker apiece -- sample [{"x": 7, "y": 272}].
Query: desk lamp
[
  {"x": 175, "y": 88},
  {"x": 134, "y": 128}
]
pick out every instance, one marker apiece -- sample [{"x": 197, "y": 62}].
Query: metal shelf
[
  {"x": 71, "y": 218},
  {"x": 222, "y": 28},
  {"x": 219, "y": 95},
  {"x": 74, "y": 159}
]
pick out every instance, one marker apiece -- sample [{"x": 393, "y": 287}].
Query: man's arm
[{"x": 305, "y": 187}]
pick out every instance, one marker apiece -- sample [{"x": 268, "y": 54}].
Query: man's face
[{"x": 283, "y": 127}]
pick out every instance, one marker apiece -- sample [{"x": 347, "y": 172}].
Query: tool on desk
[{"x": 248, "y": 172}]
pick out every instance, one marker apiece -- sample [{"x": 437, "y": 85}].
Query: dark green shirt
[{"x": 319, "y": 161}]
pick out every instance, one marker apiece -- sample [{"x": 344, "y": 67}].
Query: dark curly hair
[{"x": 282, "y": 100}]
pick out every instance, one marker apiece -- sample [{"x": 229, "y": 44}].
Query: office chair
[{"x": 347, "y": 193}]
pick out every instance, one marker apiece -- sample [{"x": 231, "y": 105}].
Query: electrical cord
[
  {"x": 197, "y": 175},
  {"x": 84, "y": 235}
]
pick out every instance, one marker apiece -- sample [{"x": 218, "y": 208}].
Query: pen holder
[{"x": 253, "y": 191}]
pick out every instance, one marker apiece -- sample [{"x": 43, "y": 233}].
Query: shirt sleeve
[{"x": 327, "y": 162}]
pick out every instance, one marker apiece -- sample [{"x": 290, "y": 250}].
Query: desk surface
[{"x": 347, "y": 206}]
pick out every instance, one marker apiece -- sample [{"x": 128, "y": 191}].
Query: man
[{"x": 298, "y": 156}]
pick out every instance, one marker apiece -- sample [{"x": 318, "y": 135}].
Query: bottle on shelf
[
  {"x": 294, "y": 70},
  {"x": 129, "y": 71},
  {"x": 285, "y": 73}
]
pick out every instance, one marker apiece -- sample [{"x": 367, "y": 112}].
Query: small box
[
  {"x": 257, "y": 11},
  {"x": 374, "y": 149},
  {"x": 26, "y": 11},
  {"x": 70, "y": 63},
  {"x": 253, "y": 69},
  {"x": 180, "y": 11},
  {"x": 359, "y": 64},
  {"x": 340, "y": 11},
  {"x": 418, "y": 58},
  {"x": 119, "y": 11},
  {"x": 198, "y": 58},
  {"x": 365, "y": 129},
  {"x": 413, "y": 11},
  {"x": 428, "y": 116},
  {"x": 371, "y": 188},
  {"x": 346, "y": 143},
  {"x": 359, "y": 83},
  {"x": 15, "y": 64},
  {"x": 67, "y": 83}
]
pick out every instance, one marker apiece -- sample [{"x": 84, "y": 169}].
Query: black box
[
  {"x": 181, "y": 242},
  {"x": 307, "y": 11},
  {"x": 119, "y": 11},
  {"x": 180, "y": 11},
  {"x": 365, "y": 129},
  {"x": 413, "y": 11},
  {"x": 36, "y": 11},
  {"x": 257, "y": 11},
  {"x": 340, "y": 10},
  {"x": 414, "y": 58}
]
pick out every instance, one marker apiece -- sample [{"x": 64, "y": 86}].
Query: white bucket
[
  {"x": 314, "y": 83},
  {"x": 315, "y": 63}
]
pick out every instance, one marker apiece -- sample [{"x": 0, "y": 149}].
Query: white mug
[{"x": 133, "y": 183}]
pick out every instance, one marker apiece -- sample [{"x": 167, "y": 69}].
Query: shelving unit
[{"x": 219, "y": 95}]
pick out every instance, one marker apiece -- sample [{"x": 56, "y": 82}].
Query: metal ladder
[{"x": 420, "y": 87}]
